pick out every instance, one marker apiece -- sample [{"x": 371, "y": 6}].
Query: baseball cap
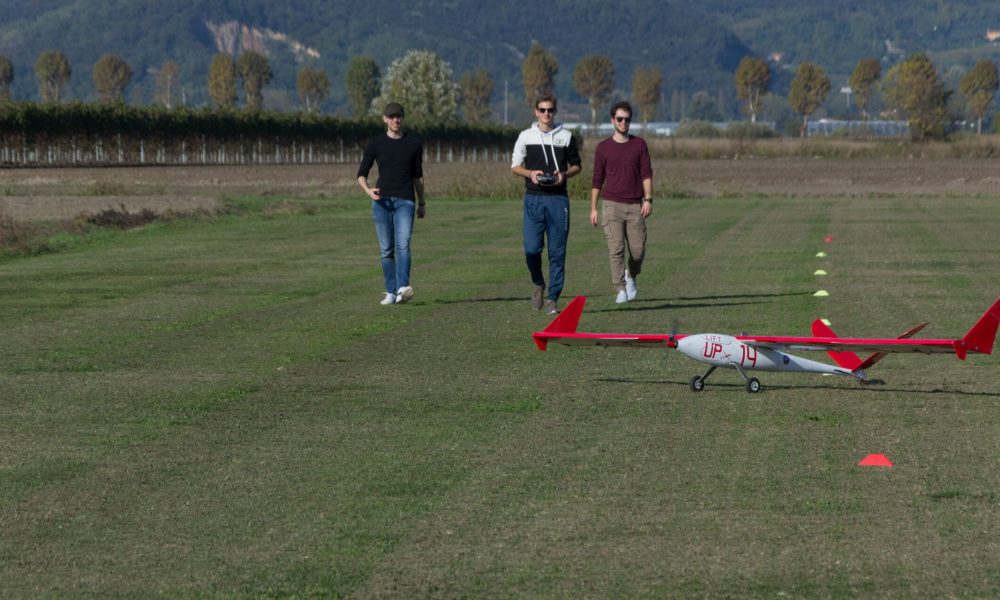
[{"x": 393, "y": 108}]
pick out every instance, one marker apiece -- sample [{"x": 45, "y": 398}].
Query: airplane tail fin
[
  {"x": 847, "y": 360},
  {"x": 565, "y": 322},
  {"x": 982, "y": 335}
]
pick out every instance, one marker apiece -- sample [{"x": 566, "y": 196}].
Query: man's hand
[
  {"x": 647, "y": 209},
  {"x": 375, "y": 193},
  {"x": 593, "y": 217},
  {"x": 421, "y": 210}
]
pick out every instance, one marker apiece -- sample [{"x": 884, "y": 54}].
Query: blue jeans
[
  {"x": 394, "y": 225},
  {"x": 546, "y": 216}
]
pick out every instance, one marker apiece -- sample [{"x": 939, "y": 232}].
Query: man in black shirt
[{"x": 400, "y": 186}]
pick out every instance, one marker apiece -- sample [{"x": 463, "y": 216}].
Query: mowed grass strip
[{"x": 220, "y": 407}]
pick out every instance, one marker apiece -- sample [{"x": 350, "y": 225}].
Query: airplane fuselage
[{"x": 720, "y": 350}]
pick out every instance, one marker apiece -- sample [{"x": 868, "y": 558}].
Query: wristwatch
[{"x": 650, "y": 200}]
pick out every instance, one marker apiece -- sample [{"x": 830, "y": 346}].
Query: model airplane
[{"x": 768, "y": 352}]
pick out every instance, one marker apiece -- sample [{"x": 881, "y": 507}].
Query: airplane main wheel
[
  {"x": 697, "y": 383},
  {"x": 753, "y": 385}
]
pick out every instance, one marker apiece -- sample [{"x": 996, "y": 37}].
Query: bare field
[{"x": 40, "y": 194}]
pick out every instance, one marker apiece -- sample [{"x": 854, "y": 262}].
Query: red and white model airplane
[{"x": 768, "y": 352}]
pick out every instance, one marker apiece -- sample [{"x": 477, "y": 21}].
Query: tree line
[
  {"x": 912, "y": 89},
  {"x": 424, "y": 83}
]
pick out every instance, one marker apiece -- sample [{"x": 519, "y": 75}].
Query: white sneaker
[
  {"x": 630, "y": 288},
  {"x": 622, "y": 297},
  {"x": 404, "y": 295},
  {"x": 389, "y": 299}
]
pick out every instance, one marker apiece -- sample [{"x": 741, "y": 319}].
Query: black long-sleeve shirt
[{"x": 400, "y": 161}]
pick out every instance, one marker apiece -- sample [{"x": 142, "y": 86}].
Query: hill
[
  {"x": 697, "y": 47},
  {"x": 694, "y": 49}
]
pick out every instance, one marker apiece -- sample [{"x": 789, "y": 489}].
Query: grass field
[{"x": 220, "y": 407}]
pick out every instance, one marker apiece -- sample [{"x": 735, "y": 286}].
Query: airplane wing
[
  {"x": 979, "y": 340},
  {"x": 562, "y": 330},
  {"x": 838, "y": 344}
]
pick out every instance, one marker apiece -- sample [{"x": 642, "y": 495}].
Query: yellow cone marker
[
  {"x": 821, "y": 294},
  {"x": 819, "y": 272},
  {"x": 821, "y": 255}
]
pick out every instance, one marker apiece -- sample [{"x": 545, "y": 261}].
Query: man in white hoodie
[{"x": 546, "y": 155}]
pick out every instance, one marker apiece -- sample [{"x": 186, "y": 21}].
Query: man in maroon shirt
[{"x": 623, "y": 177}]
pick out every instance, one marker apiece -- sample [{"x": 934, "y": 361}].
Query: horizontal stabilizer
[{"x": 845, "y": 359}]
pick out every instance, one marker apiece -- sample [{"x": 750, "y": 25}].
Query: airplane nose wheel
[
  {"x": 698, "y": 381},
  {"x": 753, "y": 385}
]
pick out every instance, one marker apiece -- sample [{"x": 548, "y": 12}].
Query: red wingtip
[
  {"x": 982, "y": 335},
  {"x": 565, "y": 322}
]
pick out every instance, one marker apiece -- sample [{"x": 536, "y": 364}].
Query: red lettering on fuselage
[
  {"x": 749, "y": 354},
  {"x": 711, "y": 349}
]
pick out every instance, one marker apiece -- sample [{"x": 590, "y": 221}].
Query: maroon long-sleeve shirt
[{"x": 620, "y": 168}]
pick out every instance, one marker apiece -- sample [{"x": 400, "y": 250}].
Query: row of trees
[
  {"x": 424, "y": 83},
  {"x": 593, "y": 79},
  {"x": 912, "y": 87}
]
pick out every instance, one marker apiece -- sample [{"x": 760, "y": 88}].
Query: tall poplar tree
[
  {"x": 594, "y": 79},
  {"x": 6, "y": 77},
  {"x": 362, "y": 83},
  {"x": 863, "y": 80},
  {"x": 647, "y": 84},
  {"x": 111, "y": 75},
  {"x": 222, "y": 81},
  {"x": 166, "y": 80},
  {"x": 255, "y": 70},
  {"x": 915, "y": 88},
  {"x": 979, "y": 86},
  {"x": 538, "y": 71},
  {"x": 475, "y": 91},
  {"x": 808, "y": 91},
  {"x": 52, "y": 69},
  {"x": 313, "y": 86},
  {"x": 752, "y": 79}
]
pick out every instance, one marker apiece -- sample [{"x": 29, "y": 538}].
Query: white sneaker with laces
[
  {"x": 389, "y": 299},
  {"x": 622, "y": 297},
  {"x": 404, "y": 295},
  {"x": 630, "y": 288}
]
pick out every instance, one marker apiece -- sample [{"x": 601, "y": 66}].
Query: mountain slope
[{"x": 694, "y": 50}]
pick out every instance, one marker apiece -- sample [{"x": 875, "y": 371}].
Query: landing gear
[
  {"x": 698, "y": 381},
  {"x": 753, "y": 384}
]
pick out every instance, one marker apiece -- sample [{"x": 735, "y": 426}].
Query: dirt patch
[
  {"x": 43, "y": 208},
  {"x": 37, "y": 194}
]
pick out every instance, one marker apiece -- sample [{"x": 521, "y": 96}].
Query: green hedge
[{"x": 85, "y": 119}]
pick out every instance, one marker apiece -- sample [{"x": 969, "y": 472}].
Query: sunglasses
[
  {"x": 394, "y": 116},
  {"x": 623, "y": 119},
  {"x": 546, "y": 110}
]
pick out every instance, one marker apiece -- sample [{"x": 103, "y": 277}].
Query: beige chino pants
[{"x": 624, "y": 225}]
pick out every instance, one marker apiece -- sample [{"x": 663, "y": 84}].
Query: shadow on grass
[
  {"x": 494, "y": 299},
  {"x": 697, "y": 302},
  {"x": 740, "y": 387}
]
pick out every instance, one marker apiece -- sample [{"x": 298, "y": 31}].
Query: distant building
[
  {"x": 875, "y": 128},
  {"x": 776, "y": 57},
  {"x": 992, "y": 35},
  {"x": 658, "y": 128}
]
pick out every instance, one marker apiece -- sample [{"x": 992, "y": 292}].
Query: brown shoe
[
  {"x": 537, "y": 296},
  {"x": 551, "y": 308}
]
